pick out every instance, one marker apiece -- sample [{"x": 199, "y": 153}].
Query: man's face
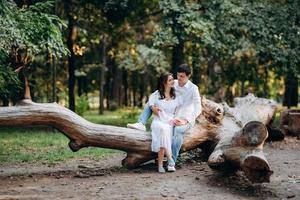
[{"x": 182, "y": 78}]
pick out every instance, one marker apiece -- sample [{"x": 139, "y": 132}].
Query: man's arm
[
  {"x": 153, "y": 103},
  {"x": 155, "y": 109},
  {"x": 197, "y": 101}
]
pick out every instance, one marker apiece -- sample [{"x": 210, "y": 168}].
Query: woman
[{"x": 162, "y": 125}]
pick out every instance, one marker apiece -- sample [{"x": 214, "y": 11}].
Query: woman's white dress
[{"x": 161, "y": 129}]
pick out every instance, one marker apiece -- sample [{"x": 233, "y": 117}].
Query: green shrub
[
  {"x": 113, "y": 106},
  {"x": 130, "y": 114},
  {"x": 82, "y": 104}
]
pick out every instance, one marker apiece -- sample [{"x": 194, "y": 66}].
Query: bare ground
[{"x": 106, "y": 179}]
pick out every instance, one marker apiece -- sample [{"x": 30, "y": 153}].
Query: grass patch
[{"x": 33, "y": 145}]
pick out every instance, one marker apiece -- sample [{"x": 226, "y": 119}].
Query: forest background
[{"x": 106, "y": 55}]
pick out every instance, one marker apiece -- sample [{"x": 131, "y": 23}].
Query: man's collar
[{"x": 187, "y": 85}]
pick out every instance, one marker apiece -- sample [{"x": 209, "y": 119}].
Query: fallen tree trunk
[{"x": 238, "y": 140}]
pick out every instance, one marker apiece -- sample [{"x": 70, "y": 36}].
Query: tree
[
  {"x": 182, "y": 22},
  {"x": 26, "y": 33}
]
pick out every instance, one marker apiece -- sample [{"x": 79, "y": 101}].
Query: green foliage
[
  {"x": 250, "y": 42},
  {"x": 130, "y": 114},
  {"x": 8, "y": 79},
  {"x": 8, "y": 82},
  {"x": 25, "y": 33},
  {"x": 82, "y": 104},
  {"x": 185, "y": 21},
  {"x": 143, "y": 59},
  {"x": 31, "y": 29},
  {"x": 164, "y": 38}
]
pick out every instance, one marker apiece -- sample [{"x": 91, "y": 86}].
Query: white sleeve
[
  {"x": 197, "y": 101},
  {"x": 179, "y": 100},
  {"x": 153, "y": 98}
]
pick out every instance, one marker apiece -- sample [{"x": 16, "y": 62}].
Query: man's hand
[
  {"x": 155, "y": 110},
  {"x": 172, "y": 122},
  {"x": 180, "y": 122}
]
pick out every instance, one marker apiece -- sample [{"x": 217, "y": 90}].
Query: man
[{"x": 186, "y": 115}]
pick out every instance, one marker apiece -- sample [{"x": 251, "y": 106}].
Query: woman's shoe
[{"x": 161, "y": 170}]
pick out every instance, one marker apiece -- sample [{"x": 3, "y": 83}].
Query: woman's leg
[
  {"x": 168, "y": 154},
  {"x": 161, "y": 157},
  {"x": 161, "y": 153}
]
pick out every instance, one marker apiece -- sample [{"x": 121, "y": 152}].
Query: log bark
[{"x": 238, "y": 133}]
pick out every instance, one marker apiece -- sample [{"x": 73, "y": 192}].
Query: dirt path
[{"x": 85, "y": 179}]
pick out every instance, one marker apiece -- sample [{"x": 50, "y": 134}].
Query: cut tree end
[
  {"x": 254, "y": 133},
  {"x": 257, "y": 170}
]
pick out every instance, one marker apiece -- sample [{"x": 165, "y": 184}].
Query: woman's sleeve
[{"x": 153, "y": 98}]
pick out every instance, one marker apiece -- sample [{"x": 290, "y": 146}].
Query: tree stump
[{"x": 290, "y": 122}]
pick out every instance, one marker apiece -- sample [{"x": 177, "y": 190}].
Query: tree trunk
[
  {"x": 238, "y": 135},
  {"x": 54, "y": 69},
  {"x": 54, "y": 98},
  {"x": 27, "y": 94},
  {"x": 196, "y": 65},
  {"x": 290, "y": 91},
  {"x": 72, "y": 34},
  {"x": 134, "y": 83},
  {"x": 125, "y": 83},
  {"x": 115, "y": 91},
  {"x": 5, "y": 101},
  {"x": 103, "y": 47},
  {"x": 79, "y": 85},
  {"x": 212, "y": 77},
  {"x": 177, "y": 56},
  {"x": 107, "y": 90},
  {"x": 143, "y": 82},
  {"x": 266, "y": 78},
  {"x": 242, "y": 87}
]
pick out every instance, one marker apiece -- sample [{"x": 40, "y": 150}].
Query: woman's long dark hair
[{"x": 162, "y": 80}]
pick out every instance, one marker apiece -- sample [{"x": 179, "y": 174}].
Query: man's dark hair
[{"x": 184, "y": 68}]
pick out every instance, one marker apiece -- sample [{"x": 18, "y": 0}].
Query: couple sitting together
[{"x": 175, "y": 105}]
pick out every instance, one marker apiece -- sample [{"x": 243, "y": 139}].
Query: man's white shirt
[{"x": 191, "y": 105}]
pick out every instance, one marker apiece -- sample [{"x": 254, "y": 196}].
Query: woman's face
[{"x": 170, "y": 82}]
